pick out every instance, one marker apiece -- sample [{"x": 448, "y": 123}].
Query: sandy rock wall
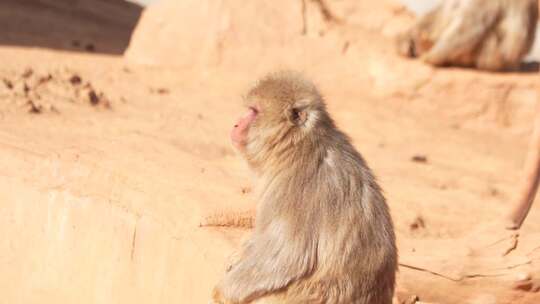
[
  {"x": 352, "y": 38},
  {"x": 85, "y": 250},
  {"x": 249, "y": 34},
  {"x": 191, "y": 32}
]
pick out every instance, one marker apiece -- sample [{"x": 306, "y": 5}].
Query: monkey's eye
[
  {"x": 295, "y": 114},
  {"x": 298, "y": 116}
]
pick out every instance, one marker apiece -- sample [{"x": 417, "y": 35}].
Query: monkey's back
[{"x": 356, "y": 255}]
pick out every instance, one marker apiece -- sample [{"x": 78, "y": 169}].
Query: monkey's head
[{"x": 283, "y": 110}]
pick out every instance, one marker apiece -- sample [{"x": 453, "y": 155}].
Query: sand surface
[{"x": 107, "y": 166}]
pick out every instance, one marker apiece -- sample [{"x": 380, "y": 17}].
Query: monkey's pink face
[{"x": 240, "y": 130}]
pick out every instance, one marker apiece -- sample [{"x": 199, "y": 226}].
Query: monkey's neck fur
[{"x": 282, "y": 150}]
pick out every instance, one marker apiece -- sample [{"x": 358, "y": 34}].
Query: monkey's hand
[
  {"x": 433, "y": 59},
  {"x": 235, "y": 257},
  {"x": 232, "y": 260}
]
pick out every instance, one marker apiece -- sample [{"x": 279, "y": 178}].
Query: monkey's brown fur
[
  {"x": 486, "y": 34},
  {"x": 323, "y": 233}
]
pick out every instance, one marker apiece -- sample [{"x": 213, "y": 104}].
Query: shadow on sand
[{"x": 102, "y": 26}]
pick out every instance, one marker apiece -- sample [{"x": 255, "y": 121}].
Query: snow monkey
[
  {"x": 323, "y": 232},
  {"x": 486, "y": 34}
]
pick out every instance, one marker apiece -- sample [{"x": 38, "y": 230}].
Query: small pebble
[{"x": 419, "y": 159}]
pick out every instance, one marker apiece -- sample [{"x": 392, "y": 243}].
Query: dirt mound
[{"x": 49, "y": 91}]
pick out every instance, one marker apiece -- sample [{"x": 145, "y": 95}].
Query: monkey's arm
[
  {"x": 464, "y": 33},
  {"x": 271, "y": 261}
]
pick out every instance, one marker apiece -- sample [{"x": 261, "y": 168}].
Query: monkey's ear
[{"x": 297, "y": 115}]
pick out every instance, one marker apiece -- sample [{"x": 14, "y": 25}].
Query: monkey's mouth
[{"x": 252, "y": 113}]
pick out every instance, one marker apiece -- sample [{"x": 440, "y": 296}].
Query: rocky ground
[{"x": 109, "y": 163}]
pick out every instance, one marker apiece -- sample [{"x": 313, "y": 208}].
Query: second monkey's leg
[
  {"x": 529, "y": 186},
  {"x": 502, "y": 236}
]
